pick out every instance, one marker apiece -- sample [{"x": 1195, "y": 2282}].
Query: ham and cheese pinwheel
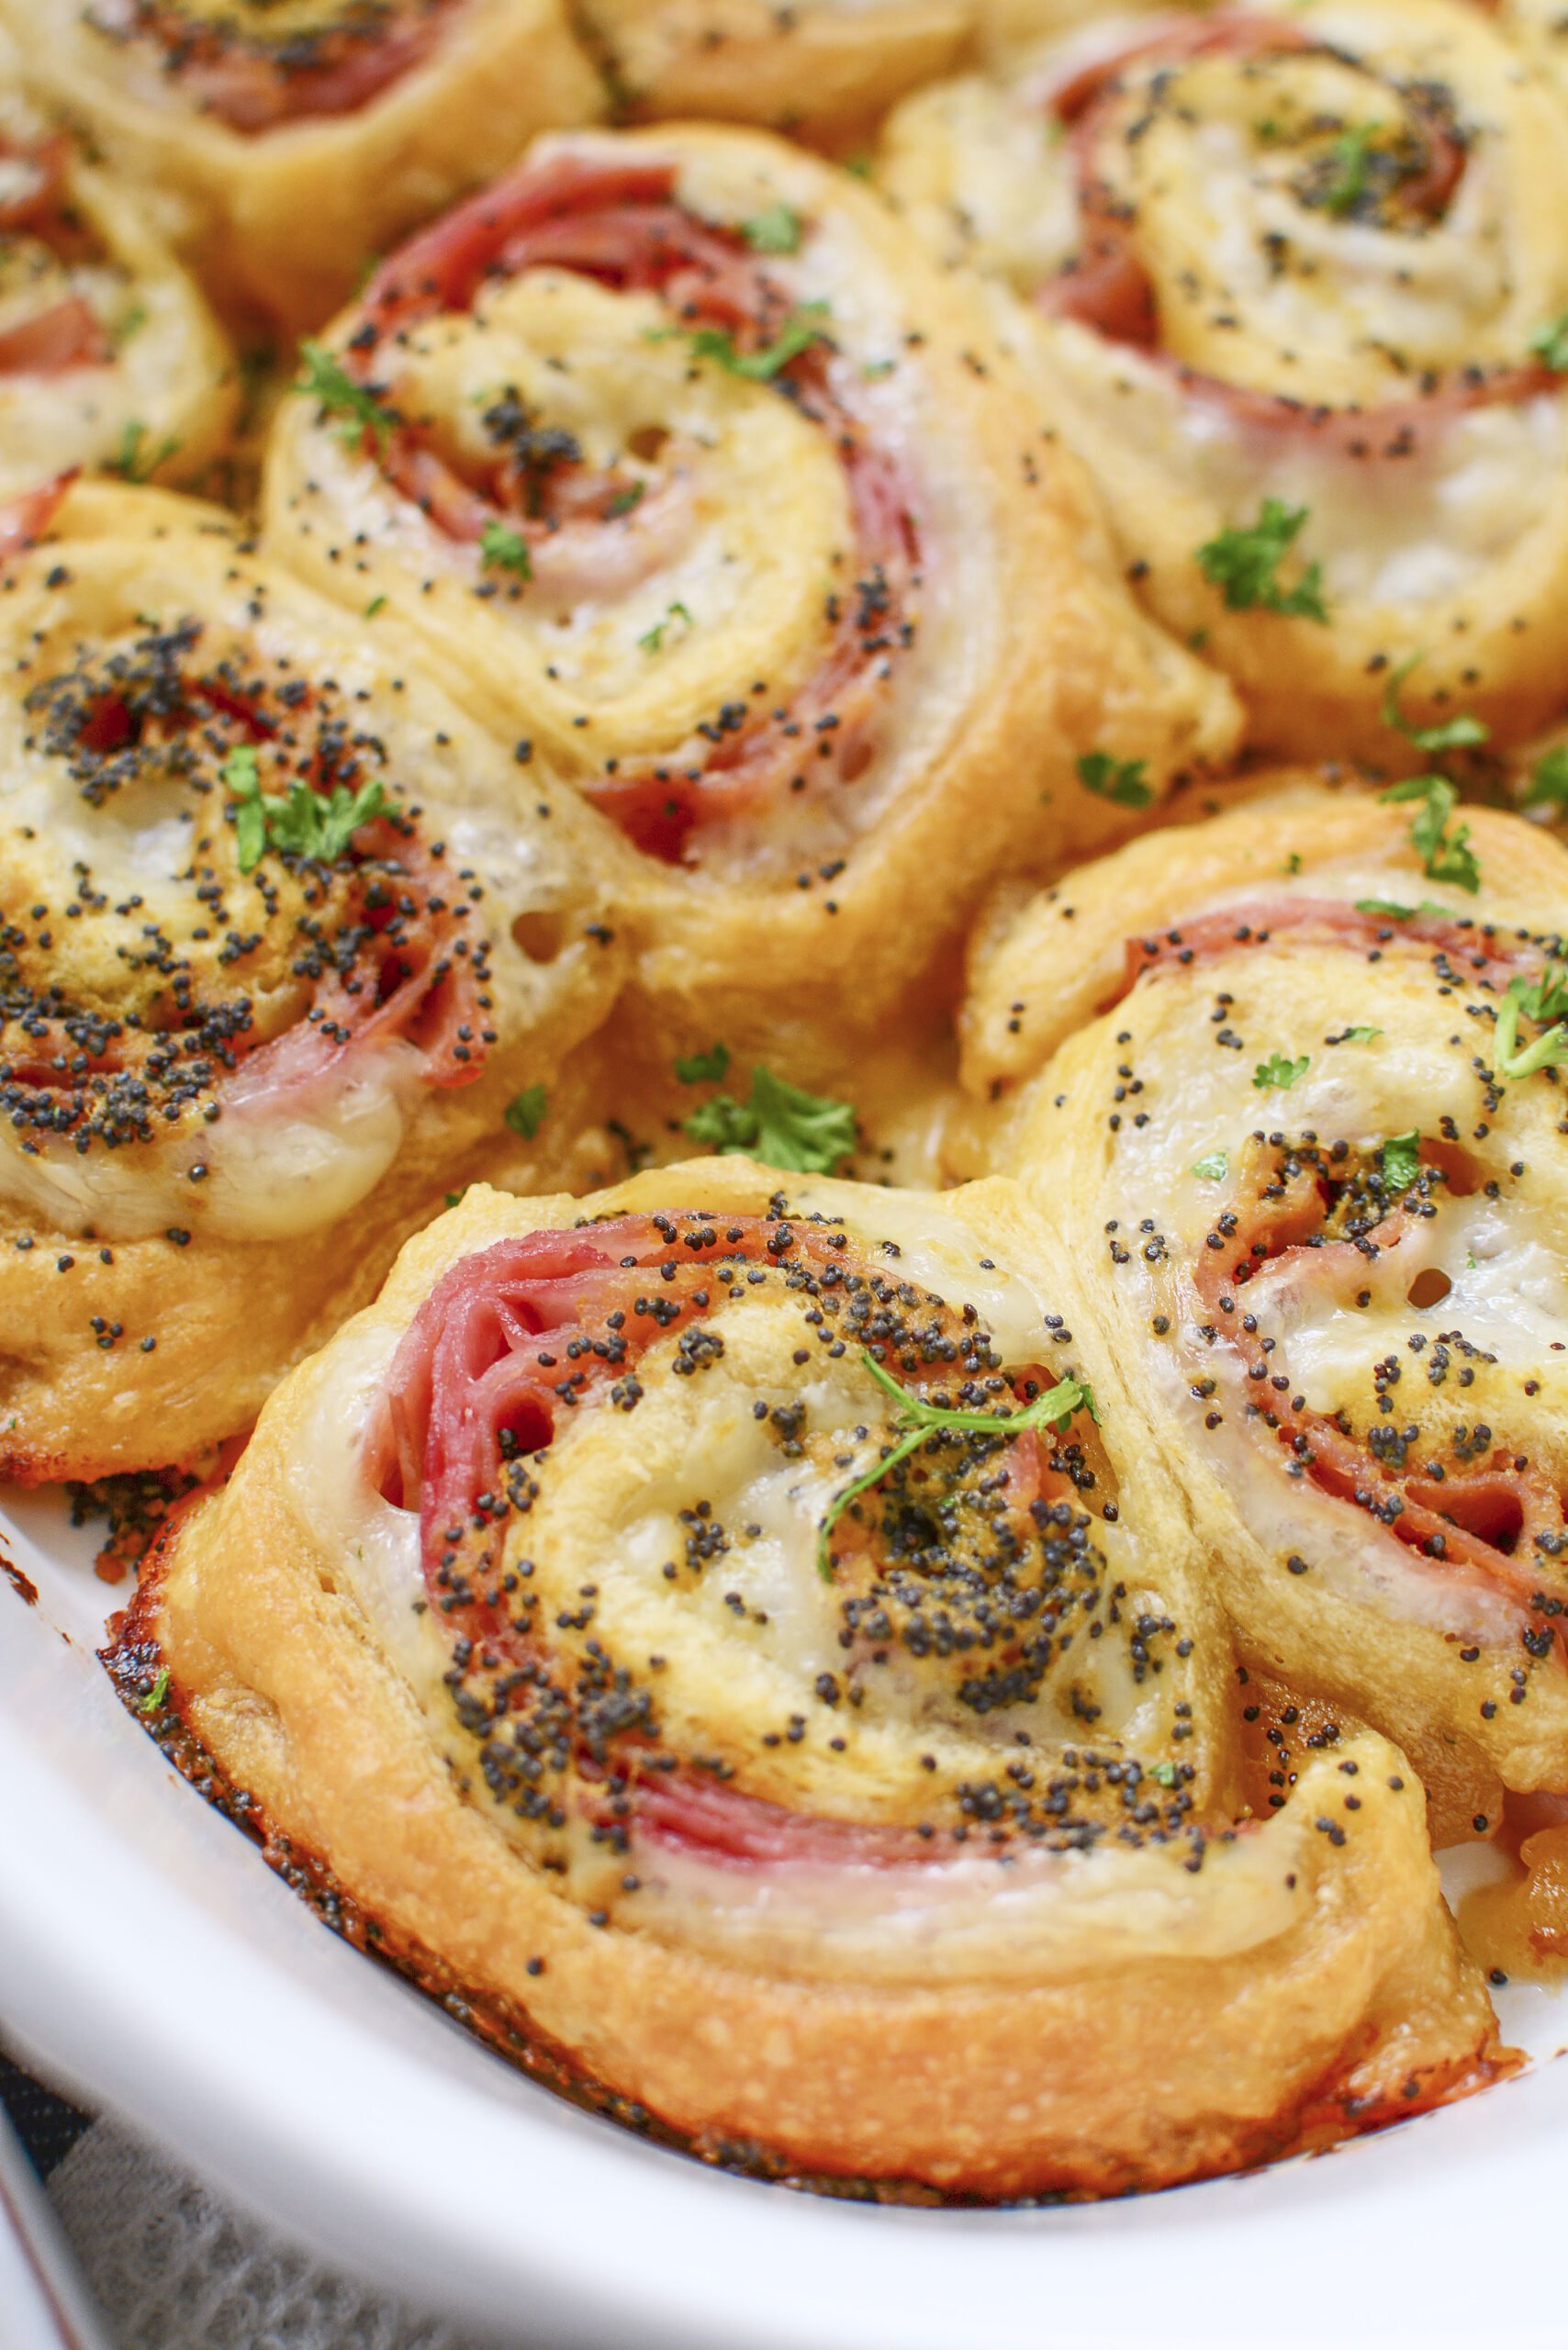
[
  {"x": 708, "y": 1637},
  {"x": 109, "y": 357},
  {"x": 821, "y": 68},
  {"x": 1292, "y": 279},
  {"x": 1304, "y": 1107},
  {"x": 708, "y": 494},
  {"x": 294, "y": 138},
  {"x": 277, "y": 954}
]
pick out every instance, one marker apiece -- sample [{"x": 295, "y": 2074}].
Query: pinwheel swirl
[
  {"x": 711, "y": 1632},
  {"x": 1292, "y": 279},
  {"x": 821, "y": 69},
  {"x": 109, "y": 357},
  {"x": 277, "y": 952},
  {"x": 297, "y": 137},
  {"x": 1304, "y": 1106},
  {"x": 701, "y": 489}
]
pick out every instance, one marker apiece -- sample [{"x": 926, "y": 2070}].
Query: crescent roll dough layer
[
  {"x": 241, "y": 1057},
  {"x": 821, "y": 69},
  {"x": 713, "y": 499},
  {"x": 283, "y": 180},
  {"x": 1301, "y": 1105},
  {"x": 592, "y": 1614},
  {"x": 1286, "y": 278},
  {"x": 110, "y": 356}
]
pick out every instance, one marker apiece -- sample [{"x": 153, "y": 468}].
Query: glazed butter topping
[
  {"x": 189, "y": 1034},
  {"x": 687, "y": 1677}
]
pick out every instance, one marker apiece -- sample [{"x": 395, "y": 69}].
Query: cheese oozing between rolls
[
  {"x": 707, "y": 492},
  {"x": 110, "y": 359},
  {"x": 1305, "y": 1105},
  {"x": 1288, "y": 276},
  {"x": 708, "y": 1632},
  {"x": 277, "y": 952},
  {"x": 821, "y": 69},
  {"x": 294, "y": 139}
]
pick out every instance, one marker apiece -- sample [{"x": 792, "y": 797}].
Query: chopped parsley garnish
[
  {"x": 356, "y": 409},
  {"x": 1164, "y": 1771},
  {"x": 311, "y": 824},
  {"x": 652, "y": 642},
  {"x": 800, "y": 330},
  {"x": 1244, "y": 562},
  {"x": 1464, "y": 732},
  {"x": 1445, "y": 855},
  {"x": 776, "y": 230},
  {"x": 1549, "y": 780},
  {"x": 808, "y": 1134},
  {"x": 1213, "y": 1167},
  {"x": 133, "y": 463},
  {"x": 1545, "y": 999},
  {"x": 1396, "y": 912},
  {"x": 157, "y": 1697},
  {"x": 525, "y": 1113},
  {"x": 1550, "y": 342},
  {"x": 625, "y": 501},
  {"x": 1401, "y": 1160},
  {"x": 1055, "y": 1408},
  {"x": 501, "y": 549},
  {"x": 1119, "y": 779},
  {"x": 1350, "y": 168},
  {"x": 710, "y": 1068},
  {"x": 1279, "y": 1072},
  {"x": 1359, "y": 1036}
]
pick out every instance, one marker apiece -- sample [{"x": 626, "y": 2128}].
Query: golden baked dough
[
  {"x": 1541, "y": 28},
  {"x": 821, "y": 68},
  {"x": 1292, "y": 281},
  {"x": 869, "y": 1811},
  {"x": 110, "y": 359},
  {"x": 704, "y": 490},
  {"x": 278, "y": 949},
  {"x": 1301, "y": 1102},
  {"x": 293, "y": 139}
]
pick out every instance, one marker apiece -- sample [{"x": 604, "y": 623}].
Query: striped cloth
[{"x": 176, "y": 2269}]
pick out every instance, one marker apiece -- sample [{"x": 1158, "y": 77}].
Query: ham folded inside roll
[
  {"x": 111, "y": 359},
  {"x": 1303, "y": 1106},
  {"x": 294, "y": 139},
  {"x": 277, "y": 955},
  {"x": 711, "y": 1639},
  {"x": 705, "y": 493},
  {"x": 824, "y": 68},
  {"x": 1292, "y": 279}
]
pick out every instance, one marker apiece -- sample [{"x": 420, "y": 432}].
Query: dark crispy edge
[{"x": 1325, "y": 2119}]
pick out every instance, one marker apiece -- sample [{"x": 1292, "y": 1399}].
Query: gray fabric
[{"x": 174, "y": 2269}]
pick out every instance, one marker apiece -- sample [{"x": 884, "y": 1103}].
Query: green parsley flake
[
  {"x": 800, "y": 330},
  {"x": 1278, "y": 1073},
  {"x": 501, "y": 549},
  {"x": 1548, "y": 784},
  {"x": 1550, "y": 342},
  {"x": 1214, "y": 1167},
  {"x": 1401, "y": 1156},
  {"x": 776, "y": 230},
  {"x": 356, "y": 409},
  {"x": 1359, "y": 1036},
  {"x": 1164, "y": 1771},
  {"x": 525, "y": 1113},
  {"x": 134, "y": 464},
  {"x": 807, "y": 1134},
  {"x": 710, "y": 1068},
  {"x": 157, "y": 1697},
  {"x": 1244, "y": 562},
  {"x": 1055, "y": 1408},
  {"x": 1349, "y": 170},
  {"x": 654, "y": 640},
  {"x": 1445, "y": 856},
  {"x": 311, "y": 823},
  {"x": 1118, "y": 779},
  {"x": 1545, "y": 1000},
  {"x": 1464, "y": 732}
]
